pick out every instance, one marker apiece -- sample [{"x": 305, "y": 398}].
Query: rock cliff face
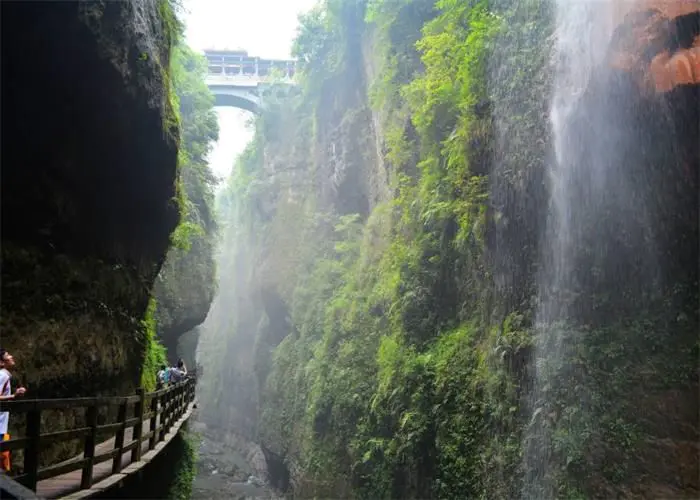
[
  {"x": 184, "y": 291},
  {"x": 186, "y": 283},
  {"x": 88, "y": 188}
]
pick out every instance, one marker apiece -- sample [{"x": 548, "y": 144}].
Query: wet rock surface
[{"x": 225, "y": 471}]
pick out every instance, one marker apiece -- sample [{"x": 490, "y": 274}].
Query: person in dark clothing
[{"x": 179, "y": 372}]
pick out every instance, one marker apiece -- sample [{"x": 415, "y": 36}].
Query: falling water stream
[{"x": 590, "y": 198}]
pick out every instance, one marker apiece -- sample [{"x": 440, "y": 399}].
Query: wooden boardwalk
[
  {"x": 68, "y": 485},
  {"x": 136, "y": 441}
]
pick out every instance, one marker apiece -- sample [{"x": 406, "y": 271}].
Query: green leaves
[
  {"x": 199, "y": 130},
  {"x": 183, "y": 235},
  {"x": 390, "y": 389},
  {"x": 155, "y": 354}
]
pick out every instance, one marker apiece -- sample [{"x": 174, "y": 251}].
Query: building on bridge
[
  {"x": 242, "y": 81},
  {"x": 236, "y": 63}
]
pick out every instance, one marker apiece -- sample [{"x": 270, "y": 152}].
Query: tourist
[
  {"x": 7, "y": 361},
  {"x": 163, "y": 377},
  {"x": 179, "y": 372}
]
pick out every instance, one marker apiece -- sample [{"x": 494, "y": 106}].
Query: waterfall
[
  {"x": 599, "y": 232},
  {"x": 580, "y": 49}
]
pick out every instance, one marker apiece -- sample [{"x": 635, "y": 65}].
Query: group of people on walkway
[
  {"x": 166, "y": 376},
  {"x": 171, "y": 375}
]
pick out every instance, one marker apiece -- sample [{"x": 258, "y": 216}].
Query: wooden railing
[{"x": 158, "y": 411}]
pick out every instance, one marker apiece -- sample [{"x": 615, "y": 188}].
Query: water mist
[{"x": 592, "y": 198}]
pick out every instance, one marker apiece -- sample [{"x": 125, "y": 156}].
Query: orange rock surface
[
  {"x": 645, "y": 28},
  {"x": 669, "y": 9}
]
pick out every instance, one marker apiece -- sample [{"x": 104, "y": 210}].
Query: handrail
[{"x": 160, "y": 409}]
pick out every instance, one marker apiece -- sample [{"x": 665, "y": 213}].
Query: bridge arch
[
  {"x": 246, "y": 82},
  {"x": 241, "y": 100},
  {"x": 249, "y": 98}
]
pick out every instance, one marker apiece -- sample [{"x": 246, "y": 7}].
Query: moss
[
  {"x": 155, "y": 355},
  {"x": 185, "y": 468}
]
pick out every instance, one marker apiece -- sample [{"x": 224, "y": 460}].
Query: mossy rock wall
[{"x": 89, "y": 166}]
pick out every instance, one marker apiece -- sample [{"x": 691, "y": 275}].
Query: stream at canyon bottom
[{"x": 222, "y": 471}]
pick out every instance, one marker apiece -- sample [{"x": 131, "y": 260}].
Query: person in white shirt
[{"x": 7, "y": 361}]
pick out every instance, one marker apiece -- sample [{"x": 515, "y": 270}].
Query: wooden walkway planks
[
  {"x": 68, "y": 485},
  {"x": 100, "y": 466}
]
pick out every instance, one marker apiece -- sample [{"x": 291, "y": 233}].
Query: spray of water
[
  {"x": 581, "y": 181},
  {"x": 580, "y": 48}
]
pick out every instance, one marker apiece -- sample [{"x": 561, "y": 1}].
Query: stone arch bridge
[{"x": 241, "y": 81}]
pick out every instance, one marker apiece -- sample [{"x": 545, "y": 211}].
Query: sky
[{"x": 265, "y": 28}]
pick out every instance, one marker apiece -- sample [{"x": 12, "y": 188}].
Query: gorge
[{"x": 459, "y": 260}]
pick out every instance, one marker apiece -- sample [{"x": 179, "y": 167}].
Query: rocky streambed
[{"x": 228, "y": 467}]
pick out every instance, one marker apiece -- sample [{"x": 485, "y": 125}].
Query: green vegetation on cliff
[
  {"x": 156, "y": 355},
  {"x": 393, "y": 334},
  {"x": 185, "y": 469},
  {"x": 185, "y": 286}
]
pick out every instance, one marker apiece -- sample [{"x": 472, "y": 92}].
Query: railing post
[
  {"x": 138, "y": 427},
  {"x": 119, "y": 439},
  {"x": 176, "y": 405},
  {"x": 180, "y": 392},
  {"x": 154, "y": 420},
  {"x": 173, "y": 408},
  {"x": 176, "y": 397},
  {"x": 173, "y": 411},
  {"x": 167, "y": 397},
  {"x": 31, "y": 450},
  {"x": 176, "y": 413},
  {"x": 164, "y": 415},
  {"x": 89, "y": 449}
]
